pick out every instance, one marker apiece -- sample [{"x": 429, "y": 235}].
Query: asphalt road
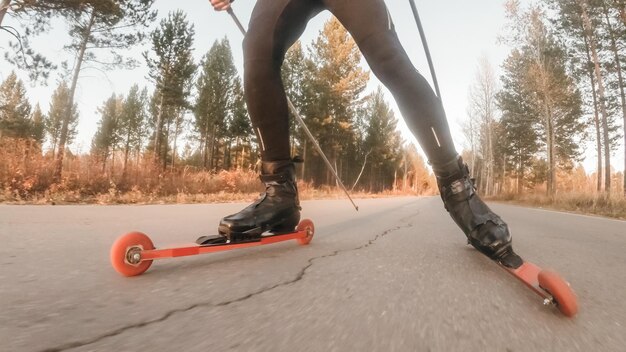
[{"x": 397, "y": 276}]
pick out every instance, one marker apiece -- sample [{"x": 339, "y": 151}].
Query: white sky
[{"x": 459, "y": 32}]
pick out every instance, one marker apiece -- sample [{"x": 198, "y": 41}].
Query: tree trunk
[
  {"x": 104, "y": 161},
  {"x": 550, "y": 189},
  {"x": 404, "y": 176},
  {"x": 605, "y": 129},
  {"x": 158, "y": 128},
  {"x": 177, "y": 128},
  {"x": 165, "y": 145},
  {"x": 596, "y": 118},
  {"x": 503, "y": 189},
  {"x": 58, "y": 169},
  {"x": 212, "y": 149},
  {"x": 620, "y": 77},
  {"x": 491, "y": 161},
  {"x": 205, "y": 147},
  {"x": 304, "y": 163},
  {"x": 226, "y": 162},
  {"x": 4, "y": 7},
  {"x": 553, "y": 180},
  {"x": 473, "y": 143},
  {"x": 520, "y": 174},
  {"x": 126, "y": 152},
  {"x": 112, "y": 164}
]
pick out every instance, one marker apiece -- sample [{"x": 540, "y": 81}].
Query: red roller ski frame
[
  {"x": 133, "y": 253},
  {"x": 549, "y": 285}
]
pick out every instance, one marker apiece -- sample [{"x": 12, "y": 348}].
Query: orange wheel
[
  {"x": 560, "y": 290},
  {"x": 306, "y": 225},
  {"x": 124, "y": 254}
]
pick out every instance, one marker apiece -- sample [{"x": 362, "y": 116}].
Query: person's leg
[
  {"x": 370, "y": 24},
  {"x": 274, "y": 26}
]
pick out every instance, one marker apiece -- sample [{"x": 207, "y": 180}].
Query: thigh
[
  {"x": 363, "y": 18},
  {"x": 275, "y": 25}
]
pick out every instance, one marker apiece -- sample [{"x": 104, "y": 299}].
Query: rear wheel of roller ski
[
  {"x": 133, "y": 253},
  {"x": 125, "y": 254}
]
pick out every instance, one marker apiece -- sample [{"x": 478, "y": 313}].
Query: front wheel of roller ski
[
  {"x": 126, "y": 254},
  {"x": 306, "y": 225},
  {"x": 560, "y": 290}
]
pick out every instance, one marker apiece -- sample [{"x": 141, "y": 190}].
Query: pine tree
[
  {"x": 382, "y": 142},
  {"x": 106, "y": 139},
  {"x": 114, "y": 25},
  {"x": 56, "y": 115},
  {"x": 519, "y": 138},
  {"x": 554, "y": 95},
  {"x": 215, "y": 88},
  {"x": 171, "y": 67},
  {"x": 299, "y": 79},
  {"x": 37, "y": 130},
  {"x": 132, "y": 122},
  {"x": 339, "y": 82},
  {"x": 240, "y": 128},
  {"x": 593, "y": 29},
  {"x": 615, "y": 37},
  {"x": 14, "y": 109}
]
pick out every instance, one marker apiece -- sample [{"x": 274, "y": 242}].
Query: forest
[{"x": 186, "y": 130}]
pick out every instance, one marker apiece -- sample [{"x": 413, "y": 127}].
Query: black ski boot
[
  {"x": 276, "y": 211},
  {"x": 484, "y": 229}
]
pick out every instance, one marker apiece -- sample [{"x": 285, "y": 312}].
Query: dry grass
[
  {"x": 29, "y": 180},
  {"x": 611, "y": 205}
]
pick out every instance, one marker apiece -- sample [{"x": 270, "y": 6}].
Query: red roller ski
[
  {"x": 548, "y": 284},
  {"x": 133, "y": 253}
]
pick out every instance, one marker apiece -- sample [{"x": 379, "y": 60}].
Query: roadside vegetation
[
  {"x": 613, "y": 206},
  {"x": 184, "y": 135}
]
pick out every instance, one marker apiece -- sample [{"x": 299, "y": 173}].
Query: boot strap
[
  {"x": 279, "y": 178},
  {"x": 458, "y": 191}
]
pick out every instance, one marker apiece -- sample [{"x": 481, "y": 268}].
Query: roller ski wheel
[
  {"x": 547, "y": 284},
  {"x": 133, "y": 253},
  {"x": 561, "y": 292},
  {"x": 126, "y": 254},
  {"x": 307, "y": 226}
]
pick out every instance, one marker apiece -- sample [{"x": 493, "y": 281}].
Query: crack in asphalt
[{"x": 170, "y": 313}]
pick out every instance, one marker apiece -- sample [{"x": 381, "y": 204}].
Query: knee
[
  {"x": 391, "y": 67},
  {"x": 259, "y": 61}
]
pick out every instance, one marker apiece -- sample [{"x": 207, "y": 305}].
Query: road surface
[{"x": 396, "y": 276}]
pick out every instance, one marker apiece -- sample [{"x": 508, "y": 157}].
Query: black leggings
[{"x": 276, "y": 24}]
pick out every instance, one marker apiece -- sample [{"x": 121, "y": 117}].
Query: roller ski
[
  {"x": 132, "y": 254},
  {"x": 489, "y": 234},
  {"x": 274, "y": 217}
]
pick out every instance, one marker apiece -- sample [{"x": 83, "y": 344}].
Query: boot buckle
[{"x": 457, "y": 186}]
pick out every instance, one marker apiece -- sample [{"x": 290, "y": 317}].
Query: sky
[{"x": 459, "y": 34}]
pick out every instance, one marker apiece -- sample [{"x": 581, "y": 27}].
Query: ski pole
[
  {"x": 301, "y": 121},
  {"x": 426, "y": 50}
]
